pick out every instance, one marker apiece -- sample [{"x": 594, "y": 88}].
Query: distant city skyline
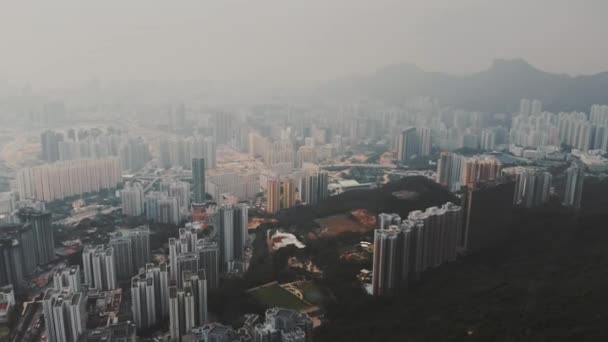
[
  {"x": 342, "y": 170},
  {"x": 67, "y": 41}
]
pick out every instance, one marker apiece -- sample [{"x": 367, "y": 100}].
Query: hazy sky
[{"x": 70, "y": 40}]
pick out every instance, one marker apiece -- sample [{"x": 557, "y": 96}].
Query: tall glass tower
[{"x": 198, "y": 179}]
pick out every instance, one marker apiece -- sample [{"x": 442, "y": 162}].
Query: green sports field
[{"x": 275, "y": 295}]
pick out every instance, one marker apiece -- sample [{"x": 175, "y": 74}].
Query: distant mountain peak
[
  {"x": 498, "y": 89},
  {"x": 512, "y": 65}
]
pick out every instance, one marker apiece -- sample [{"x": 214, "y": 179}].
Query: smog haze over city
[{"x": 414, "y": 170}]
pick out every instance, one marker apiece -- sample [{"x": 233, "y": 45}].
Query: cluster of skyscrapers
[
  {"x": 132, "y": 199},
  {"x": 279, "y": 324},
  {"x": 49, "y": 143},
  {"x": 134, "y": 153},
  {"x": 413, "y": 141},
  {"x": 459, "y": 129},
  {"x": 311, "y": 153},
  {"x": 25, "y": 245},
  {"x": 162, "y": 208},
  {"x": 179, "y": 190},
  {"x": 8, "y": 206},
  {"x": 233, "y": 228},
  {"x": 281, "y": 148},
  {"x": 150, "y": 296},
  {"x": 223, "y": 127},
  {"x": 172, "y": 202},
  {"x": 65, "y": 306},
  {"x": 60, "y": 180},
  {"x": 67, "y": 278},
  {"x": 99, "y": 265},
  {"x": 533, "y": 184},
  {"x": 177, "y": 291},
  {"x": 209, "y": 260},
  {"x": 187, "y": 283},
  {"x": 69, "y": 305},
  {"x": 272, "y": 151},
  {"x": 179, "y": 152},
  {"x": 575, "y": 178},
  {"x": 17, "y": 251},
  {"x": 544, "y": 132},
  {"x": 187, "y": 304},
  {"x": 532, "y": 187},
  {"x": 65, "y": 315},
  {"x": 533, "y": 128},
  {"x": 599, "y": 114},
  {"x": 182, "y": 254},
  {"x": 40, "y": 223},
  {"x": 242, "y": 185},
  {"x": 308, "y": 186},
  {"x": 403, "y": 249},
  {"x": 94, "y": 144},
  {"x": 480, "y": 169},
  {"x": 169, "y": 205},
  {"x": 131, "y": 251},
  {"x": 455, "y": 171}
]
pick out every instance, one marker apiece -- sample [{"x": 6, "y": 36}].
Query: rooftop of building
[
  {"x": 348, "y": 182},
  {"x": 218, "y": 329},
  {"x": 115, "y": 332}
]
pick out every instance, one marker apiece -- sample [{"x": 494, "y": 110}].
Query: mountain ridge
[{"x": 497, "y": 89}]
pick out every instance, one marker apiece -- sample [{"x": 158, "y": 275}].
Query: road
[
  {"x": 26, "y": 329},
  {"x": 149, "y": 186}
]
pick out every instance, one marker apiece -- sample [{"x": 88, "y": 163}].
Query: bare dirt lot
[{"x": 358, "y": 221}]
